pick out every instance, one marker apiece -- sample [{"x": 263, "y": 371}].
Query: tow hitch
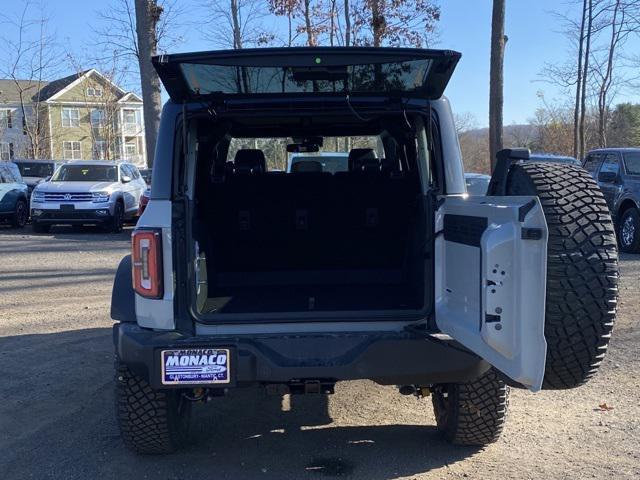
[{"x": 302, "y": 387}]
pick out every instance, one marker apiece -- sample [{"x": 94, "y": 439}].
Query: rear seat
[{"x": 310, "y": 219}]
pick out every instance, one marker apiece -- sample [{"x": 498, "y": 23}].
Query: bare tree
[
  {"x": 30, "y": 58},
  {"x": 393, "y": 22},
  {"x": 148, "y": 13},
  {"x": 236, "y": 23},
  {"x": 290, "y": 9},
  {"x": 579, "y": 80},
  {"x": 139, "y": 29},
  {"x": 585, "y": 73},
  {"x": 496, "y": 82},
  {"x": 347, "y": 24},
  {"x": 621, "y": 21},
  {"x": 117, "y": 37}
]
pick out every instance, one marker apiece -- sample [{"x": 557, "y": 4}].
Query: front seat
[
  {"x": 250, "y": 161},
  {"x": 363, "y": 159}
]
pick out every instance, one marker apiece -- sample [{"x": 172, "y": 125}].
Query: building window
[
  {"x": 97, "y": 118},
  {"x": 6, "y": 151},
  {"x": 70, "y": 117},
  {"x": 5, "y": 119},
  {"x": 130, "y": 150},
  {"x": 100, "y": 150},
  {"x": 72, "y": 150},
  {"x": 94, "y": 92},
  {"x": 131, "y": 117}
]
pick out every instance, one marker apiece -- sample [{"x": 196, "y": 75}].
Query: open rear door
[{"x": 491, "y": 263}]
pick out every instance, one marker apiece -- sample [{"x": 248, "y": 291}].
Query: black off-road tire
[
  {"x": 150, "y": 421},
  {"x": 629, "y": 241},
  {"x": 474, "y": 413},
  {"x": 582, "y": 268},
  {"x": 40, "y": 228},
  {"x": 21, "y": 214}
]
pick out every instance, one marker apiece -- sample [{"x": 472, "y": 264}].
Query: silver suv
[{"x": 88, "y": 192}]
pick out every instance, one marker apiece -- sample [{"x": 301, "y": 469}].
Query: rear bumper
[
  {"x": 80, "y": 216},
  {"x": 387, "y": 358}
]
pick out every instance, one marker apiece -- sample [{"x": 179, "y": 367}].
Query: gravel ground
[{"x": 56, "y": 399}]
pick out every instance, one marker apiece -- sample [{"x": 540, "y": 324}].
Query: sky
[{"x": 465, "y": 25}]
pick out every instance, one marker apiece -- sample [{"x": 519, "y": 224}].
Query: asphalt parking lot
[{"x": 56, "y": 401}]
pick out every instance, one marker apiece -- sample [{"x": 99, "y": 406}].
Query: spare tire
[{"x": 582, "y": 268}]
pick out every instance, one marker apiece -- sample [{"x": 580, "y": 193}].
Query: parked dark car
[
  {"x": 546, "y": 157},
  {"x": 14, "y": 205},
  {"x": 145, "y": 173},
  {"x": 35, "y": 171},
  {"x": 617, "y": 171},
  {"x": 477, "y": 183}
]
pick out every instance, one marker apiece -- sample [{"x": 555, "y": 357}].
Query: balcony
[{"x": 132, "y": 129}]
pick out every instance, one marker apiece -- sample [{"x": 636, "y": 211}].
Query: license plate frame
[{"x": 203, "y": 366}]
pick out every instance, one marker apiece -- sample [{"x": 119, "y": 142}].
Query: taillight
[{"x": 146, "y": 252}]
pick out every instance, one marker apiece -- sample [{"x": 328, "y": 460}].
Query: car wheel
[
  {"x": 471, "y": 413},
  {"x": 20, "y": 215},
  {"x": 150, "y": 421},
  {"x": 629, "y": 231},
  {"x": 117, "y": 220},
  {"x": 40, "y": 228},
  {"x": 582, "y": 268}
]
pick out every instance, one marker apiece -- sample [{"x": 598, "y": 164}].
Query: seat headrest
[
  {"x": 306, "y": 166},
  {"x": 250, "y": 160},
  {"x": 363, "y": 159}
]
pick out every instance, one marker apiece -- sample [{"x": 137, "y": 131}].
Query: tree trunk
[
  {"x": 576, "y": 109},
  {"x": 496, "y": 81},
  {"x": 332, "y": 24},
  {"x": 377, "y": 23},
  {"x": 585, "y": 76},
  {"x": 237, "y": 36},
  {"x": 311, "y": 41},
  {"x": 147, "y": 16},
  {"x": 347, "y": 24},
  {"x": 603, "y": 107}
]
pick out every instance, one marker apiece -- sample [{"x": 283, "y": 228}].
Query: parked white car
[{"x": 88, "y": 192}]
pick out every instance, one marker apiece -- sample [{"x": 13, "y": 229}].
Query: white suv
[
  {"x": 88, "y": 192},
  {"x": 389, "y": 271}
]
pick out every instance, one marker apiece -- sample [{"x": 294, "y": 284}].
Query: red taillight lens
[{"x": 146, "y": 252}]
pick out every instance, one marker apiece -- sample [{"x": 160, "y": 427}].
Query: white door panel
[{"x": 491, "y": 255}]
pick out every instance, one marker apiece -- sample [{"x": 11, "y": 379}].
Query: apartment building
[{"x": 80, "y": 117}]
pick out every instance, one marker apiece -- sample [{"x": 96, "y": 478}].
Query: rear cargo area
[
  {"x": 310, "y": 238},
  {"x": 312, "y": 241}
]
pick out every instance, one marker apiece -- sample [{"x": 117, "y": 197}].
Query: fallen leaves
[{"x": 603, "y": 407}]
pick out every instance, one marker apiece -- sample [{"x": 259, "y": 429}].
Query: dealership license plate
[{"x": 195, "y": 366}]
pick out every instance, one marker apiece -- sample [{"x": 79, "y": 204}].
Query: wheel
[
  {"x": 472, "y": 413},
  {"x": 582, "y": 268},
  {"x": 629, "y": 231},
  {"x": 117, "y": 220},
  {"x": 40, "y": 228},
  {"x": 150, "y": 421},
  {"x": 21, "y": 214}
]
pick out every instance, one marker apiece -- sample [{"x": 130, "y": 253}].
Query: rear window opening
[{"x": 284, "y": 235}]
